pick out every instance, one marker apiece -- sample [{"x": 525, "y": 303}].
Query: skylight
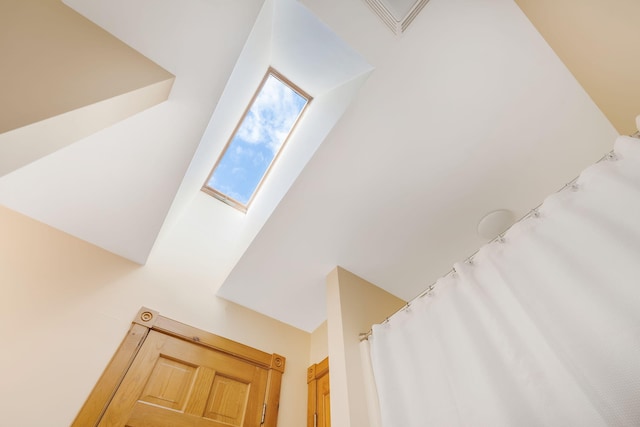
[{"x": 256, "y": 141}]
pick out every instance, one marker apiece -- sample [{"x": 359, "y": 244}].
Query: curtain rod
[{"x": 500, "y": 239}]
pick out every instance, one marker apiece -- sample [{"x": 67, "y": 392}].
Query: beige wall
[
  {"x": 598, "y": 41},
  {"x": 353, "y": 305},
  {"x": 19, "y": 147},
  {"x": 66, "y": 305},
  {"x": 54, "y": 61},
  {"x": 319, "y": 346}
]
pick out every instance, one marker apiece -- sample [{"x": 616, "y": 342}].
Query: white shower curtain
[{"x": 542, "y": 329}]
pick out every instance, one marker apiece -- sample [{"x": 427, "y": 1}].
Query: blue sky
[{"x": 257, "y": 141}]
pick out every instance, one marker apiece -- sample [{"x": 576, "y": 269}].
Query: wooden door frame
[
  {"x": 314, "y": 372},
  {"x": 147, "y": 320}
]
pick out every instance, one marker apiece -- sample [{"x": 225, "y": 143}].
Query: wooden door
[
  {"x": 182, "y": 379},
  {"x": 176, "y": 383},
  {"x": 319, "y": 404}
]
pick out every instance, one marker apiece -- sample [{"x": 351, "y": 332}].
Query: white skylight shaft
[{"x": 256, "y": 142}]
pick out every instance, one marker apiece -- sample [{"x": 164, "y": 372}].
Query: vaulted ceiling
[{"x": 411, "y": 139}]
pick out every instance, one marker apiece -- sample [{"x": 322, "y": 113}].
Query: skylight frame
[{"x": 228, "y": 199}]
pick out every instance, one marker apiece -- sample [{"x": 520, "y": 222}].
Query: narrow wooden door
[
  {"x": 319, "y": 404},
  {"x": 167, "y": 374},
  {"x": 176, "y": 383},
  {"x": 323, "y": 404}
]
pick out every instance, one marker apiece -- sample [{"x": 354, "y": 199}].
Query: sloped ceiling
[
  {"x": 65, "y": 78},
  {"x": 114, "y": 188},
  {"x": 468, "y": 111}
]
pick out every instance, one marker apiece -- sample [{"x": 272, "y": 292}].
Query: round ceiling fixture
[{"x": 494, "y": 223}]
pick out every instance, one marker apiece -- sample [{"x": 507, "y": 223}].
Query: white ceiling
[
  {"x": 467, "y": 112},
  {"x": 399, "y": 8}
]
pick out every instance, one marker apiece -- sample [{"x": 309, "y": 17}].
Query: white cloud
[
  {"x": 271, "y": 116},
  {"x": 259, "y": 137}
]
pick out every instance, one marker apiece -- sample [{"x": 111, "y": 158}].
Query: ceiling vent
[{"x": 397, "y": 14}]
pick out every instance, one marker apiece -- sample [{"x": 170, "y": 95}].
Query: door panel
[
  {"x": 173, "y": 382},
  {"x": 169, "y": 383},
  {"x": 227, "y": 401}
]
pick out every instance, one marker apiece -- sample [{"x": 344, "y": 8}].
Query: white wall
[{"x": 66, "y": 305}]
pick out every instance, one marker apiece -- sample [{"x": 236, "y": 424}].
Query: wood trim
[
  {"x": 278, "y": 362},
  {"x": 146, "y": 317},
  {"x": 110, "y": 380},
  {"x": 322, "y": 368},
  {"x": 147, "y": 320},
  {"x": 317, "y": 370},
  {"x": 207, "y": 339},
  {"x": 314, "y": 372},
  {"x": 311, "y": 373},
  {"x": 273, "y": 397}
]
